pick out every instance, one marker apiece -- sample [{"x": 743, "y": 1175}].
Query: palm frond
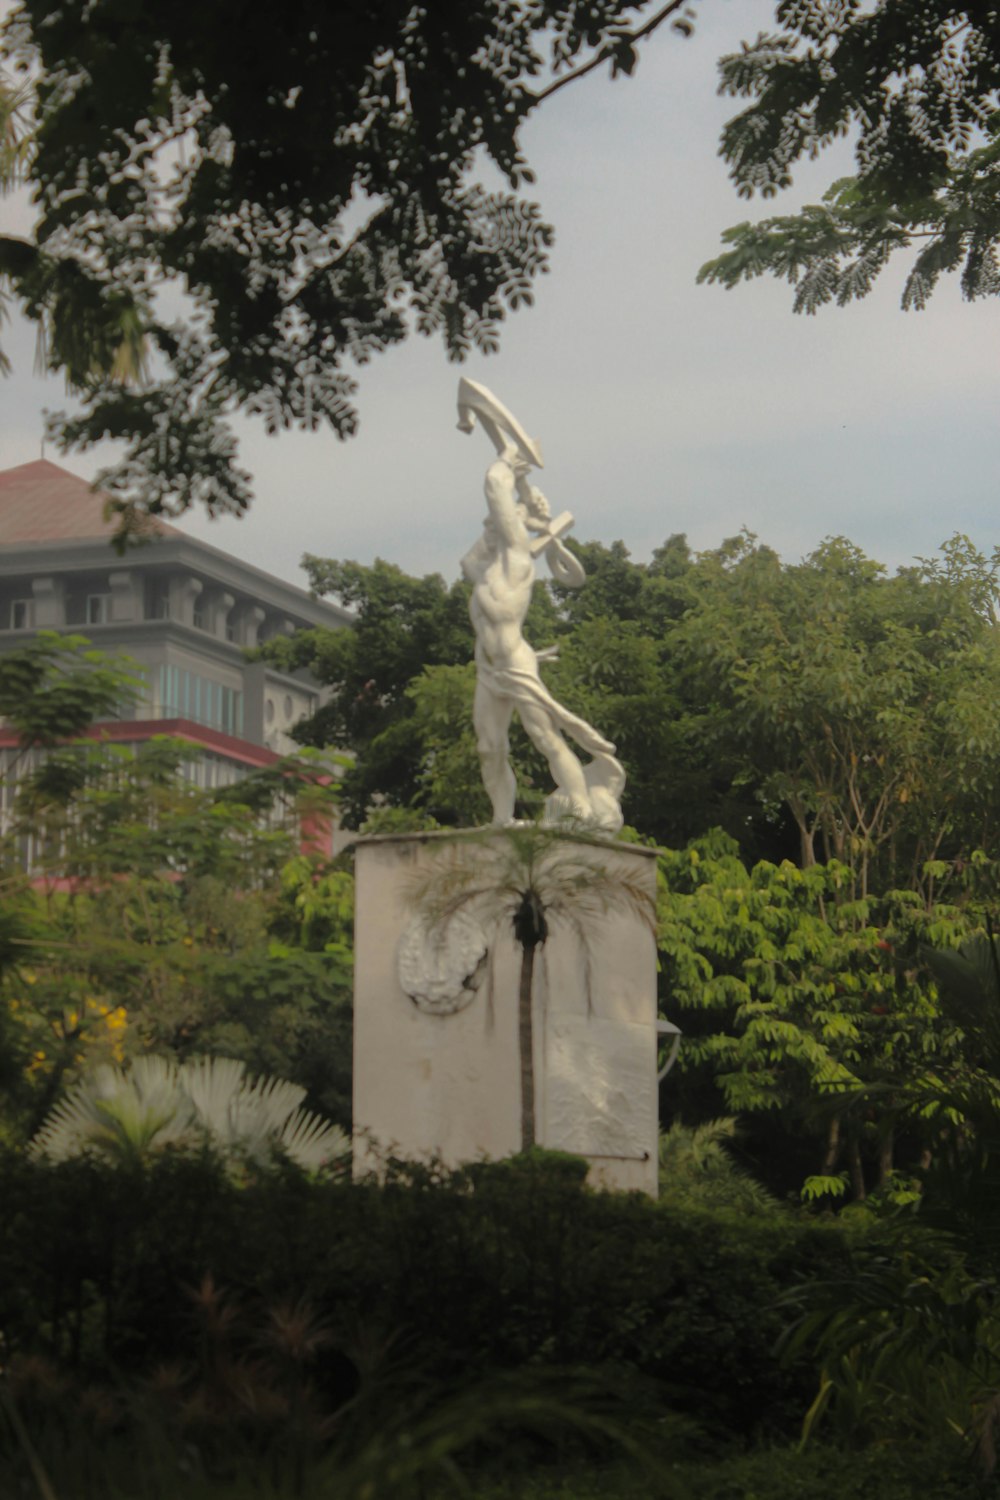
[
  {"x": 492, "y": 873},
  {"x": 124, "y": 1115},
  {"x": 698, "y": 1171}
]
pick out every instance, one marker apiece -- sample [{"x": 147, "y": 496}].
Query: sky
[{"x": 661, "y": 406}]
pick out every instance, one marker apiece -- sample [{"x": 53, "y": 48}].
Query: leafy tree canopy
[
  {"x": 797, "y": 994},
  {"x": 54, "y": 686},
  {"x": 170, "y": 918},
  {"x": 859, "y": 701},
  {"x": 918, "y": 83},
  {"x": 309, "y": 178},
  {"x": 403, "y": 625},
  {"x": 812, "y": 709}
]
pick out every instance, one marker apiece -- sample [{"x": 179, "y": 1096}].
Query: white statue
[{"x": 501, "y": 568}]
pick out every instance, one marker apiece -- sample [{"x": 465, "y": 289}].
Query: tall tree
[
  {"x": 795, "y": 996},
  {"x": 812, "y": 710},
  {"x": 307, "y": 177},
  {"x": 861, "y": 702},
  {"x": 918, "y": 84}
]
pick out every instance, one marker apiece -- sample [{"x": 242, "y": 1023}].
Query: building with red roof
[{"x": 184, "y": 611}]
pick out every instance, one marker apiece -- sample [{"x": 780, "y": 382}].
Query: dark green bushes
[
  {"x": 937, "y": 1471},
  {"x": 476, "y": 1272}
]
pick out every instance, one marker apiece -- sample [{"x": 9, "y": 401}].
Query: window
[
  {"x": 98, "y": 609},
  {"x": 21, "y": 614},
  {"x": 159, "y": 602},
  {"x": 198, "y": 617},
  {"x": 185, "y": 694}
]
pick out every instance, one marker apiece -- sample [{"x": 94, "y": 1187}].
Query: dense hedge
[
  {"x": 938, "y": 1471},
  {"x": 487, "y": 1269}
]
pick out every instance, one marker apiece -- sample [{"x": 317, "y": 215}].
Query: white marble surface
[
  {"x": 444, "y": 1083},
  {"x": 500, "y": 565}
]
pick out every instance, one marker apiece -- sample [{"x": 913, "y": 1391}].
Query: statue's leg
[
  {"x": 491, "y": 719},
  {"x": 567, "y": 772}
]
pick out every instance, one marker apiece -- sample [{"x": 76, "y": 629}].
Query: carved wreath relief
[{"x": 441, "y": 965}]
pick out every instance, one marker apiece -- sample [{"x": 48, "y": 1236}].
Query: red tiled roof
[{"x": 39, "y": 502}]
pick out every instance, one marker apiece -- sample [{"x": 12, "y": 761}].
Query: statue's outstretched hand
[{"x": 564, "y": 567}]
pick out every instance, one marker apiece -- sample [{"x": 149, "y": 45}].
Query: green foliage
[
  {"x": 156, "y": 1105},
  {"x": 858, "y": 699},
  {"x": 316, "y": 908},
  {"x": 402, "y": 688},
  {"x": 325, "y": 203},
  {"x": 54, "y": 686},
  {"x": 248, "y": 1415},
  {"x": 806, "y": 997},
  {"x": 531, "y": 1267},
  {"x": 402, "y": 625},
  {"x": 960, "y": 1102},
  {"x": 450, "y": 779},
  {"x": 821, "y": 709},
  {"x": 916, "y": 83},
  {"x": 171, "y": 919},
  {"x": 15, "y": 134},
  {"x": 819, "y": 1472},
  {"x": 576, "y": 881},
  {"x": 697, "y": 1171},
  {"x": 909, "y": 1349},
  {"x": 389, "y": 820}
]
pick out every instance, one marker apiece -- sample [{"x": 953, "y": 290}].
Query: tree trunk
[
  {"x": 807, "y": 837},
  {"x": 526, "y": 1041},
  {"x": 886, "y": 1154},
  {"x": 833, "y": 1146},
  {"x": 856, "y": 1169}
]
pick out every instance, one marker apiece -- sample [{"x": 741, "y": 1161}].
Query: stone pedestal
[{"x": 430, "y": 1080}]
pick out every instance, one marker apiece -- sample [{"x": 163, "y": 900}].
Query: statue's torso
[{"x": 501, "y": 593}]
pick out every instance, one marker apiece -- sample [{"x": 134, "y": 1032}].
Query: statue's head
[{"x": 509, "y": 438}]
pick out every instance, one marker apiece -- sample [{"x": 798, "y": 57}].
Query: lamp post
[{"x": 668, "y": 1029}]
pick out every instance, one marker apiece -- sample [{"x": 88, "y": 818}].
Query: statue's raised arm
[{"x": 500, "y": 565}]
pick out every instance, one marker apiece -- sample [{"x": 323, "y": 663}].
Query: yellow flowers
[{"x": 91, "y": 1028}]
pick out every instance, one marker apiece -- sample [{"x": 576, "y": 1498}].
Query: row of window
[
  {"x": 186, "y": 695},
  {"x": 97, "y": 611},
  {"x": 158, "y": 608},
  {"x": 21, "y": 615}
]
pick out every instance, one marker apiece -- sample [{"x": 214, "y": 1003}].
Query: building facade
[{"x": 183, "y": 611}]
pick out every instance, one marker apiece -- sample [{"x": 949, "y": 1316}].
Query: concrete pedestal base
[{"x": 448, "y": 1084}]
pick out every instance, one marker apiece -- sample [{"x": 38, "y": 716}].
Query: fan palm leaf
[{"x": 127, "y": 1114}]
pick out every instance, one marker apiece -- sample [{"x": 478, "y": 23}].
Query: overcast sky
[{"x": 661, "y": 406}]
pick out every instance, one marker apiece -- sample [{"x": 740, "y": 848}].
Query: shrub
[
  {"x": 941, "y": 1471},
  {"x": 479, "y": 1271}
]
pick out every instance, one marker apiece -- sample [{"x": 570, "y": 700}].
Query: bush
[
  {"x": 942, "y": 1472},
  {"x": 477, "y": 1271}
]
